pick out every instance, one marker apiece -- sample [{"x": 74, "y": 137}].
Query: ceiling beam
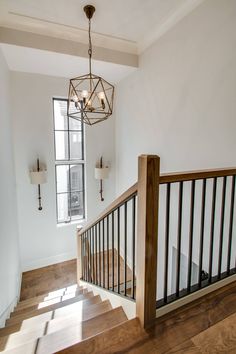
[{"x": 63, "y": 46}]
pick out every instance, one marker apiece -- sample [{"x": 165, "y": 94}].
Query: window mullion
[{"x": 74, "y": 177}]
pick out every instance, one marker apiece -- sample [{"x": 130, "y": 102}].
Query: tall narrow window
[{"x": 69, "y": 164}]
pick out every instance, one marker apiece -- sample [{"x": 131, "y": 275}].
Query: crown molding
[{"x": 21, "y": 22}]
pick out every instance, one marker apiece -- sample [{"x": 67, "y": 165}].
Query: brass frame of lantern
[{"x": 90, "y": 97}]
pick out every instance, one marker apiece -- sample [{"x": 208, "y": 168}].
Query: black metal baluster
[
  {"x": 99, "y": 246},
  {"x": 96, "y": 253},
  {"x": 118, "y": 250},
  {"x": 231, "y": 224},
  {"x": 179, "y": 237},
  {"x": 81, "y": 251},
  {"x": 83, "y": 259},
  {"x": 133, "y": 248},
  {"x": 190, "y": 252},
  {"x": 93, "y": 248},
  {"x": 212, "y": 228},
  {"x": 167, "y": 232},
  {"x": 90, "y": 257},
  {"x": 108, "y": 252},
  {"x": 125, "y": 248},
  {"x": 103, "y": 252},
  {"x": 85, "y": 256},
  {"x": 113, "y": 255},
  {"x": 222, "y": 226},
  {"x": 202, "y": 233}
]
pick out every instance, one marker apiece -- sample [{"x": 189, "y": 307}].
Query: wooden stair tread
[
  {"x": 37, "y": 299},
  {"x": 33, "y": 313},
  {"x": 27, "y": 348},
  {"x": 61, "y": 339},
  {"x": 115, "y": 340},
  {"x": 54, "y": 325},
  {"x": 222, "y": 335},
  {"x": 69, "y": 336},
  {"x": 46, "y": 303},
  {"x": 35, "y": 321}
]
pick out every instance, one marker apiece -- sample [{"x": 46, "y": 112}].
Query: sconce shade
[
  {"x": 101, "y": 172},
  {"x": 38, "y": 177}
]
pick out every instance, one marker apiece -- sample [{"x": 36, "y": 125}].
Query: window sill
[{"x": 79, "y": 223}]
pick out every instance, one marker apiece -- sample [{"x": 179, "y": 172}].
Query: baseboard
[
  {"x": 44, "y": 262},
  {"x": 194, "y": 296},
  {"x": 6, "y": 313}
]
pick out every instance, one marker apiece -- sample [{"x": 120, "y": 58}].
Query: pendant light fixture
[{"x": 90, "y": 96}]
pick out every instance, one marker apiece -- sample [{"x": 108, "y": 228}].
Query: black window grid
[{"x": 69, "y": 162}]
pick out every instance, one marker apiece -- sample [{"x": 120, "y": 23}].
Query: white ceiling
[
  {"x": 135, "y": 21},
  {"x": 126, "y": 27}
]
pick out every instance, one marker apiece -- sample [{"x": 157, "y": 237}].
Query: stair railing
[
  {"x": 197, "y": 224},
  {"x": 164, "y": 238}
]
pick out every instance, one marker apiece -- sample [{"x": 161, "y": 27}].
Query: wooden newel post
[
  {"x": 147, "y": 229},
  {"x": 79, "y": 260}
]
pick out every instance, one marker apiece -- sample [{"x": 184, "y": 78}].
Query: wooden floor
[
  {"x": 43, "y": 280},
  {"x": 205, "y": 326}
]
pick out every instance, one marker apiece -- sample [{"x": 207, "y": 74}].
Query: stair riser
[
  {"x": 33, "y": 322},
  {"x": 41, "y": 298},
  {"x": 21, "y": 318},
  {"x": 45, "y": 303},
  {"x": 23, "y": 337}
]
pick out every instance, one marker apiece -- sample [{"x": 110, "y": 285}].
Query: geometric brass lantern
[{"x": 90, "y": 96}]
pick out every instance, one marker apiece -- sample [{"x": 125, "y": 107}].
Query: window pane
[
  {"x": 76, "y": 145},
  {"x": 69, "y": 144},
  {"x": 77, "y": 205},
  {"x": 63, "y": 203},
  {"x": 74, "y": 124},
  {"x": 60, "y": 115},
  {"x": 76, "y": 177},
  {"x": 62, "y": 176},
  {"x": 61, "y": 145}
]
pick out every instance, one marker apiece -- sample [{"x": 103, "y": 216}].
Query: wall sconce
[
  {"x": 38, "y": 177},
  {"x": 101, "y": 173}
]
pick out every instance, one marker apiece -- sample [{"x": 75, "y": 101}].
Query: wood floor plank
[
  {"x": 188, "y": 347},
  {"x": 64, "y": 338},
  {"x": 220, "y": 338},
  {"x": 186, "y": 322},
  {"x": 46, "y": 279}
]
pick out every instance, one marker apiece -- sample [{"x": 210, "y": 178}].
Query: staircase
[{"x": 67, "y": 317}]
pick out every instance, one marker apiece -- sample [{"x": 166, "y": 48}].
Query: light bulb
[
  {"x": 89, "y": 106},
  {"x": 101, "y": 96},
  {"x": 84, "y": 93},
  {"x": 75, "y": 98}
]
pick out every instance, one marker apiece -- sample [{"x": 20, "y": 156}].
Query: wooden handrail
[
  {"x": 172, "y": 177},
  {"x": 195, "y": 175},
  {"x": 114, "y": 205}
]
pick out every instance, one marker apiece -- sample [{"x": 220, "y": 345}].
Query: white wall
[
  {"x": 42, "y": 242},
  {"x": 181, "y": 104},
  {"x": 9, "y": 247}
]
